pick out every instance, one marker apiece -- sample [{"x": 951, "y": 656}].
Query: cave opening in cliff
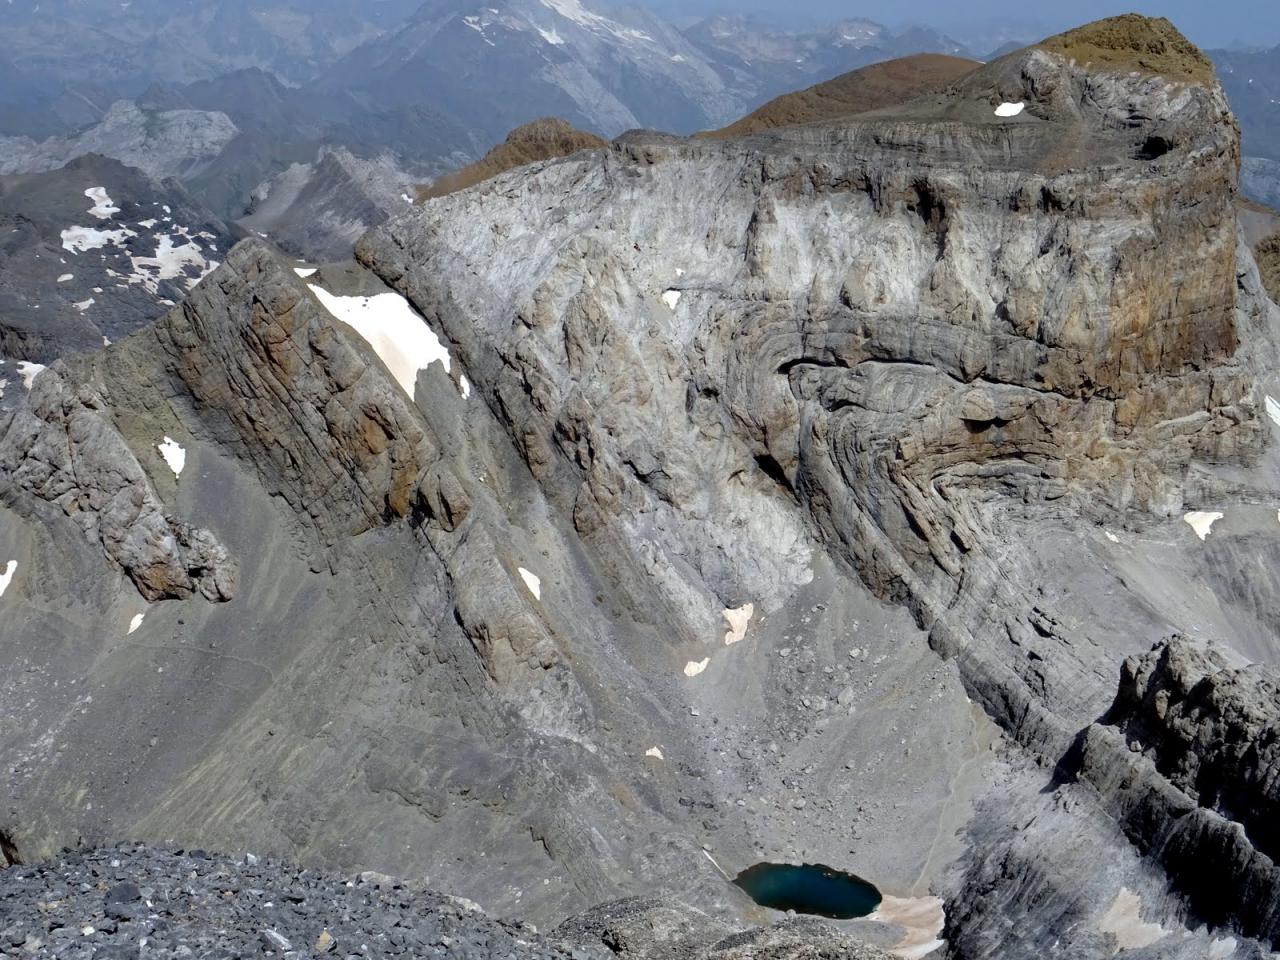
[{"x": 811, "y": 888}]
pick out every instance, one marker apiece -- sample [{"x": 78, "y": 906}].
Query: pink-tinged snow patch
[
  {"x": 695, "y": 667},
  {"x": 923, "y": 919},
  {"x": 1123, "y": 920},
  {"x": 737, "y": 621}
]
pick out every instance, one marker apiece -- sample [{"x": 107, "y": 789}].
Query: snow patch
[
  {"x": 655, "y": 753},
  {"x": 923, "y": 919},
  {"x": 29, "y": 372},
  {"x": 1112, "y": 537},
  {"x": 103, "y": 207},
  {"x": 533, "y": 582},
  {"x": 82, "y": 239},
  {"x": 71, "y": 276},
  {"x": 1273, "y": 410},
  {"x": 672, "y": 298},
  {"x": 464, "y": 385},
  {"x": 84, "y": 305},
  {"x": 136, "y": 622},
  {"x": 171, "y": 261},
  {"x": 1202, "y": 521},
  {"x": 174, "y": 455},
  {"x": 551, "y": 37},
  {"x": 1010, "y": 109},
  {"x": 304, "y": 272},
  {"x": 1123, "y": 920},
  {"x": 395, "y": 331},
  {"x": 693, "y": 667},
  {"x": 737, "y": 621},
  {"x": 6, "y": 578}
]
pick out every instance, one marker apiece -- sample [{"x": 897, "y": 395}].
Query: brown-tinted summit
[
  {"x": 543, "y": 139},
  {"x": 1267, "y": 253},
  {"x": 869, "y": 88},
  {"x": 1134, "y": 42}
]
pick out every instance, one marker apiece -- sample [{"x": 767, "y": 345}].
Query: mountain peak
[{"x": 1135, "y": 42}]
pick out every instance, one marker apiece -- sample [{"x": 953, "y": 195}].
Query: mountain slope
[
  {"x": 895, "y": 491},
  {"x": 545, "y": 139},
  {"x": 869, "y": 88}
]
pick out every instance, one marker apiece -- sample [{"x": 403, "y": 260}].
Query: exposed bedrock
[{"x": 940, "y": 333}]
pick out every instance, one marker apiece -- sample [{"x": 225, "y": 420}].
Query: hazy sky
[{"x": 1210, "y": 23}]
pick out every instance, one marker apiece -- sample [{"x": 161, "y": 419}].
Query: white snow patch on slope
[
  {"x": 1010, "y": 109},
  {"x": 174, "y": 455},
  {"x": 672, "y": 298},
  {"x": 1273, "y": 410},
  {"x": 574, "y": 11},
  {"x": 1123, "y": 920},
  {"x": 397, "y": 334},
  {"x": 81, "y": 239},
  {"x": 464, "y": 385},
  {"x": 737, "y": 621},
  {"x": 533, "y": 582},
  {"x": 551, "y": 37},
  {"x": 694, "y": 667},
  {"x": 103, "y": 206},
  {"x": 136, "y": 622},
  {"x": 1202, "y": 521},
  {"x": 71, "y": 276},
  {"x": 29, "y": 372},
  {"x": 6, "y": 578},
  {"x": 304, "y": 272},
  {"x": 84, "y": 305},
  {"x": 655, "y": 753},
  {"x": 170, "y": 262}
]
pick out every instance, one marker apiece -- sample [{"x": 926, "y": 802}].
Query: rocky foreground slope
[
  {"x": 115, "y": 902},
  {"x": 836, "y": 493}
]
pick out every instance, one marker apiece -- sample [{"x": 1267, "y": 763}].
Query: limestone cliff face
[{"x": 936, "y": 329}]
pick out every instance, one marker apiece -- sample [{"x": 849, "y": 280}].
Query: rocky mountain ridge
[{"x": 724, "y": 496}]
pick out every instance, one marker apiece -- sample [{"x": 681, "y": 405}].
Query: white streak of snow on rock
[
  {"x": 1112, "y": 537},
  {"x": 304, "y": 272},
  {"x": 655, "y": 753},
  {"x": 29, "y": 372},
  {"x": 551, "y": 37},
  {"x": 694, "y": 667},
  {"x": 397, "y": 334},
  {"x": 737, "y": 621},
  {"x": 1273, "y": 410},
  {"x": 533, "y": 582},
  {"x": 71, "y": 276},
  {"x": 103, "y": 207},
  {"x": 174, "y": 455},
  {"x": 84, "y": 305},
  {"x": 1009, "y": 109},
  {"x": 1202, "y": 521},
  {"x": 6, "y": 578},
  {"x": 464, "y": 385},
  {"x": 672, "y": 298},
  {"x": 136, "y": 622}
]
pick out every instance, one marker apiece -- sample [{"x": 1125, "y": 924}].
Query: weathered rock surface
[
  {"x": 63, "y": 449},
  {"x": 760, "y": 474}
]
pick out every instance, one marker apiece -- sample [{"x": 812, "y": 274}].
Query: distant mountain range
[{"x": 228, "y": 96}]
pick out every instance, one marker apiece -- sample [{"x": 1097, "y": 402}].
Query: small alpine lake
[{"x": 811, "y": 888}]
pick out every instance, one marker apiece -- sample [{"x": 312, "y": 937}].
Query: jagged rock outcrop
[
  {"x": 1187, "y": 757},
  {"x": 63, "y": 449}
]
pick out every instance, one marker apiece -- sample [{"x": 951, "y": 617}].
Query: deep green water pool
[{"x": 809, "y": 888}]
